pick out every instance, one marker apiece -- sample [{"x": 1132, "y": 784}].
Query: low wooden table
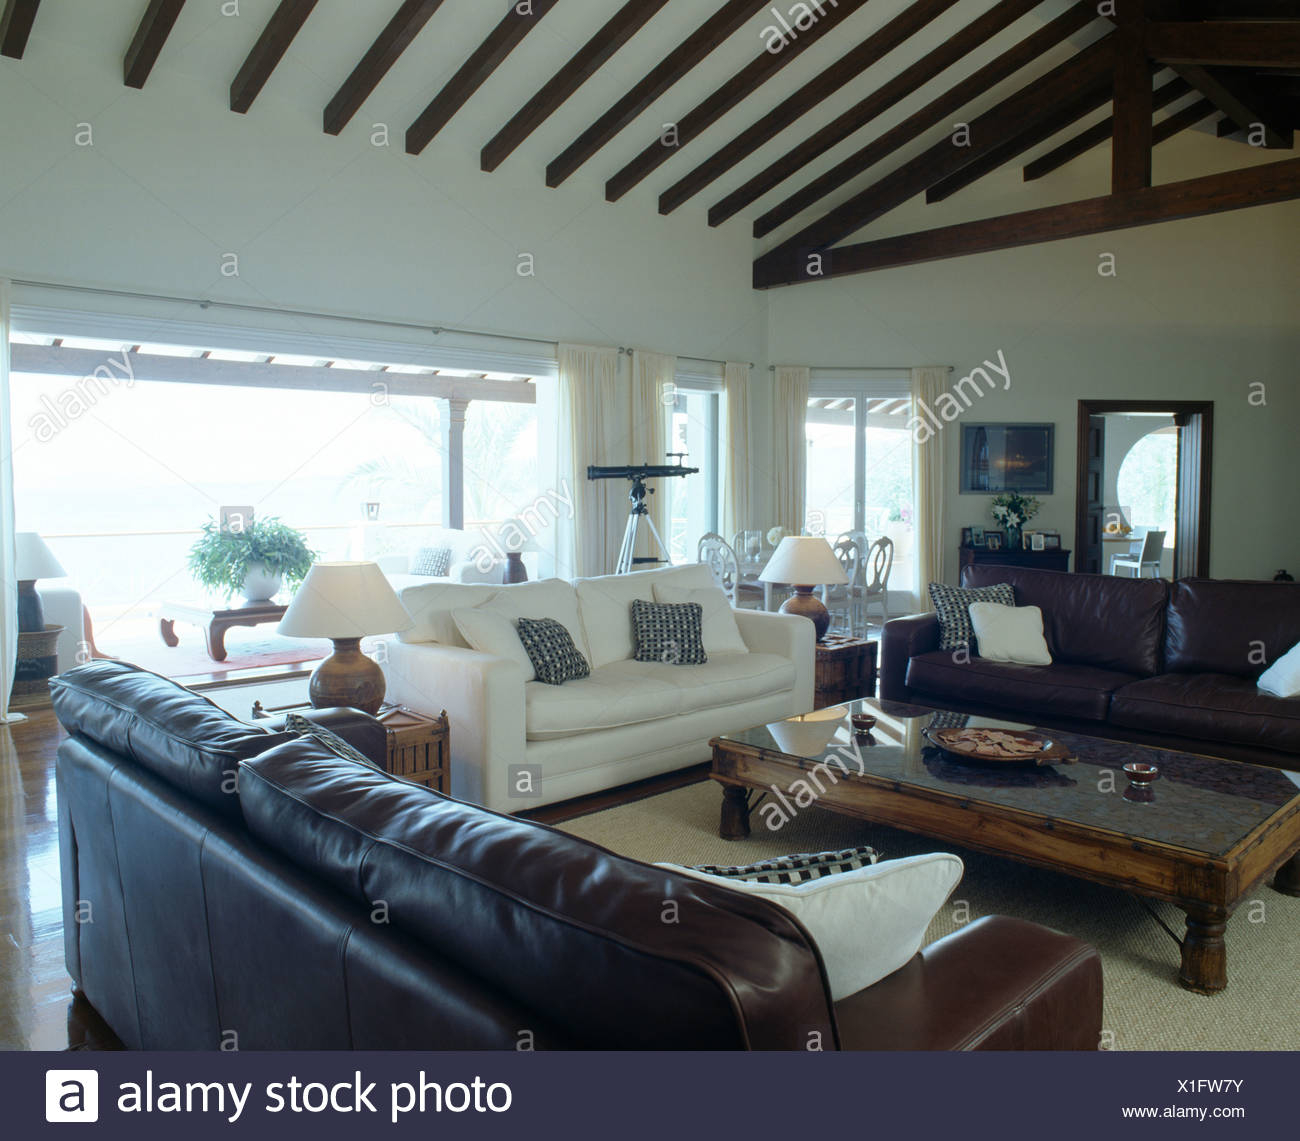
[
  {"x": 1203, "y": 836},
  {"x": 214, "y": 621}
]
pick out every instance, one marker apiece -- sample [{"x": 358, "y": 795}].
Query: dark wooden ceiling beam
[
  {"x": 1099, "y": 132},
  {"x": 589, "y": 59},
  {"x": 673, "y": 67},
  {"x": 16, "y": 26},
  {"x": 1130, "y": 149},
  {"x": 1234, "y": 43},
  {"x": 1067, "y": 114},
  {"x": 387, "y": 49},
  {"x": 730, "y": 94},
  {"x": 147, "y": 43},
  {"x": 906, "y": 83},
  {"x": 281, "y": 29},
  {"x": 1228, "y": 9},
  {"x": 1193, "y": 198},
  {"x": 474, "y": 72},
  {"x": 1243, "y": 100},
  {"x": 935, "y": 112},
  {"x": 1181, "y": 120},
  {"x": 1030, "y": 105},
  {"x": 849, "y": 66}
]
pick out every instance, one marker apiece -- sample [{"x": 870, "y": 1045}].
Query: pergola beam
[
  {"x": 387, "y": 49},
  {"x": 103, "y": 370},
  {"x": 1193, "y": 198}
]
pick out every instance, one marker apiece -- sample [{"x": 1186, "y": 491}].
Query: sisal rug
[{"x": 1145, "y": 1009}]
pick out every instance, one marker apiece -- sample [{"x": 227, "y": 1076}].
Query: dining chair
[
  {"x": 720, "y": 557},
  {"x": 844, "y": 600},
  {"x": 879, "y": 564},
  {"x": 1142, "y": 553}
]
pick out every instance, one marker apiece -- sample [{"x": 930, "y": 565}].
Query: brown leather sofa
[
  {"x": 321, "y": 904},
  {"x": 1141, "y": 660}
]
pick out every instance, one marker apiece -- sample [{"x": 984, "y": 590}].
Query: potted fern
[{"x": 255, "y": 560}]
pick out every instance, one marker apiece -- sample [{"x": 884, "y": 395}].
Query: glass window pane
[
  {"x": 830, "y": 492},
  {"x": 692, "y": 501}
]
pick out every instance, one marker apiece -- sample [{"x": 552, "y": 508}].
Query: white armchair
[{"x": 63, "y": 607}]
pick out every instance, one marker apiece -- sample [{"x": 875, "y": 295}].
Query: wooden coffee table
[
  {"x": 1202, "y": 837},
  {"x": 214, "y": 621}
]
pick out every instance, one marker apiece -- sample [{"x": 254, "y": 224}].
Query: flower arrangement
[
  {"x": 775, "y": 535},
  {"x": 1013, "y": 511}
]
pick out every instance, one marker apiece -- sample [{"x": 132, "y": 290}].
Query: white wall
[{"x": 1197, "y": 310}]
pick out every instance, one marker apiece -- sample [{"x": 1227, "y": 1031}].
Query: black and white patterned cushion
[
  {"x": 305, "y": 727},
  {"x": 671, "y": 632},
  {"x": 952, "y": 603},
  {"x": 797, "y": 868},
  {"x": 432, "y": 562},
  {"x": 551, "y": 650}
]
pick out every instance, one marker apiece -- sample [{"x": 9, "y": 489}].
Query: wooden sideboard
[{"x": 1040, "y": 560}]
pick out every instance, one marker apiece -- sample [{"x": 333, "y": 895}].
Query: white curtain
[
  {"x": 736, "y": 467},
  {"x": 653, "y": 393},
  {"x": 589, "y": 416},
  {"x": 790, "y": 447},
  {"x": 928, "y": 468},
  {"x": 9, "y": 614}
]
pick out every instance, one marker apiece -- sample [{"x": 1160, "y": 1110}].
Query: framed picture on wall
[{"x": 1007, "y": 457}]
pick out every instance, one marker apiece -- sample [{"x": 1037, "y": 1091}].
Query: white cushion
[
  {"x": 1282, "y": 678},
  {"x": 606, "y": 605},
  {"x": 430, "y": 605},
  {"x": 493, "y": 629},
  {"x": 721, "y": 634},
  {"x": 726, "y": 679},
  {"x": 1010, "y": 633},
  {"x": 546, "y": 598},
  {"x": 866, "y": 923},
  {"x": 614, "y": 695}
]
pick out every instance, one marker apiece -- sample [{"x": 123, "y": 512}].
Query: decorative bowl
[
  {"x": 1140, "y": 774},
  {"x": 862, "y": 722}
]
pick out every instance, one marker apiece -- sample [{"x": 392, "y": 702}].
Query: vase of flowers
[{"x": 1013, "y": 511}]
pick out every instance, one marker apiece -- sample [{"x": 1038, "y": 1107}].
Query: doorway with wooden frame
[{"x": 1192, "y": 423}]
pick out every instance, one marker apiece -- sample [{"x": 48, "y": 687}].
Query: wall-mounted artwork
[{"x": 1006, "y": 457}]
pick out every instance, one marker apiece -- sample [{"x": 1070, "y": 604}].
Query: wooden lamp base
[
  {"x": 807, "y": 605},
  {"x": 347, "y": 678}
]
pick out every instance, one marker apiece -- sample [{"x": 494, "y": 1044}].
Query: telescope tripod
[{"x": 627, "y": 558}]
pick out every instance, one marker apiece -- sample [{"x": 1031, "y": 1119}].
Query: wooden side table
[
  {"x": 419, "y": 746},
  {"x": 846, "y": 670}
]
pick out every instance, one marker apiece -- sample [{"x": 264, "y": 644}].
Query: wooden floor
[{"x": 37, "y": 1008}]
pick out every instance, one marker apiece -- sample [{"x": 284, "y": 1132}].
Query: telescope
[{"x": 638, "y": 474}]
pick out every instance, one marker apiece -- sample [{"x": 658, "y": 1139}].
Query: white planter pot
[{"x": 260, "y": 584}]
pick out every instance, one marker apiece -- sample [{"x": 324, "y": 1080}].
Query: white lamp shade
[
  {"x": 33, "y": 559},
  {"x": 804, "y": 560},
  {"x": 344, "y": 600}
]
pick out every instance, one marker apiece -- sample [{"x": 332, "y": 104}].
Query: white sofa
[
  {"x": 627, "y": 721},
  {"x": 468, "y": 561},
  {"x": 63, "y": 607}
]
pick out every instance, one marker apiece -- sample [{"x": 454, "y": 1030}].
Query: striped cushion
[{"x": 797, "y": 868}]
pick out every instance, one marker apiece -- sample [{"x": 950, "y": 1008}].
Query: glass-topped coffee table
[{"x": 1202, "y": 836}]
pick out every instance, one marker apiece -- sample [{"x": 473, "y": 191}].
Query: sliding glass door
[{"x": 860, "y": 476}]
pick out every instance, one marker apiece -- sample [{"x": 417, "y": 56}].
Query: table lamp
[
  {"x": 33, "y": 560},
  {"x": 805, "y": 561},
  {"x": 345, "y": 602}
]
